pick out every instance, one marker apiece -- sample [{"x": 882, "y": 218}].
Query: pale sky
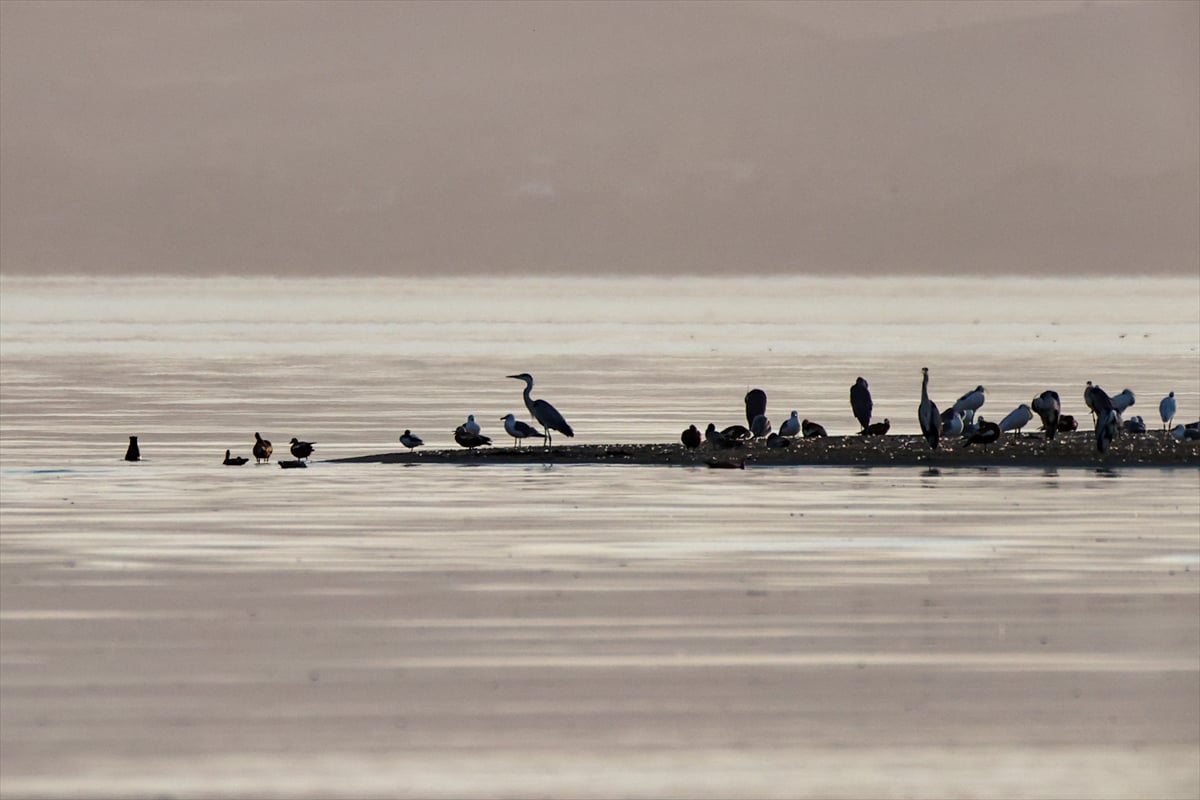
[{"x": 412, "y": 138}]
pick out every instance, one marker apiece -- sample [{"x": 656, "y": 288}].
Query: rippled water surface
[{"x": 176, "y": 627}]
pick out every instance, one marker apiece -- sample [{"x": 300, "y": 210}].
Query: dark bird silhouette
[
  {"x": 756, "y": 405},
  {"x": 133, "y": 452},
  {"x": 1134, "y": 425},
  {"x": 730, "y": 437},
  {"x": 262, "y": 449},
  {"x": 410, "y": 440},
  {"x": 860, "y": 402},
  {"x": 546, "y": 415},
  {"x": 1107, "y": 428},
  {"x": 519, "y": 430},
  {"x": 301, "y": 450},
  {"x": 760, "y": 426},
  {"x": 691, "y": 438},
  {"x": 776, "y": 441},
  {"x": 736, "y": 433},
  {"x": 1097, "y": 400},
  {"x": 927, "y": 413},
  {"x": 813, "y": 430},
  {"x": 1067, "y": 424},
  {"x": 1049, "y": 408},
  {"x": 985, "y": 433},
  {"x": 878, "y": 428},
  {"x": 230, "y": 461},
  {"x": 470, "y": 440}
]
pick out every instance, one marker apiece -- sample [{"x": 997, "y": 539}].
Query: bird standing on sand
[
  {"x": 1098, "y": 401},
  {"x": 410, "y": 439},
  {"x": 1049, "y": 408},
  {"x": 756, "y": 405},
  {"x": 471, "y": 426},
  {"x": 546, "y": 415},
  {"x": 878, "y": 428},
  {"x": 691, "y": 438},
  {"x": 1166, "y": 409},
  {"x": 813, "y": 430},
  {"x": 1134, "y": 425},
  {"x": 301, "y": 450},
  {"x": 470, "y": 440},
  {"x": 519, "y": 430},
  {"x": 985, "y": 433},
  {"x": 972, "y": 400},
  {"x": 860, "y": 403},
  {"x": 1067, "y": 424},
  {"x": 230, "y": 461},
  {"x": 262, "y": 449},
  {"x": 1016, "y": 419},
  {"x": 133, "y": 452},
  {"x": 791, "y": 426},
  {"x": 927, "y": 413}
]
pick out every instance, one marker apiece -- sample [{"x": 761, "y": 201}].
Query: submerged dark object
[
  {"x": 231, "y": 461},
  {"x": 714, "y": 464},
  {"x": 297, "y": 464},
  {"x": 133, "y": 453}
]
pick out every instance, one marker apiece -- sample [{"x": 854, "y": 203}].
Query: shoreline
[{"x": 1077, "y": 449}]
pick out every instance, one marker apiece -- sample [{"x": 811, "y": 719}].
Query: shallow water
[{"x": 178, "y": 627}]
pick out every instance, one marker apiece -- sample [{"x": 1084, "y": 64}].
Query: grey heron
[
  {"x": 756, "y": 405},
  {"x": 546, "y": 415},
  {"x": 1049, "y": 408},
  {"x": 410, "y": 439},
  {"x": 518, "y": 430},
  {"x": 1166, "y": 409},
  {"x": 301, "y": 450},
  {"x": 1106, "y": 428},
  {"x": 860, "y": 402},
  {"x": 262, "y": 449},
  {"x": 927, "y": 413}
]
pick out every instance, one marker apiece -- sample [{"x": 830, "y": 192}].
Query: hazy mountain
[{"x": 409, "y": 138}]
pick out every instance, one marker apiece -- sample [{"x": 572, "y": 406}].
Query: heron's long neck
[
  {"x": 924, "y": 387},
  {"x": 528, "y": 401}
]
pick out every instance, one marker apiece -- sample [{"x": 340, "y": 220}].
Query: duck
[
  {"x": 231, "y": 461},
  {"x": 470, "y": 440},
  {"x": 301, "y": 450},
  {"x": 262, "y": 449},
  {"x": 878, "y": 428},
  {"x": 813, "y": 430},
  {"x": 691, "y": 437}
]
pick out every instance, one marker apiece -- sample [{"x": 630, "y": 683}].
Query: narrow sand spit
[{"x": 1154, "y": 449}]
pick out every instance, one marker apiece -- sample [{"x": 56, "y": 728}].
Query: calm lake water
[{"x": 176, "y": 627}]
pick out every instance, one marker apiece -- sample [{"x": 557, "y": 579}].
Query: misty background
[{"x": 673, "y": 138}]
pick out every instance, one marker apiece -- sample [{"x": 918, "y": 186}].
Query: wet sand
[{"x": 1078, "y": 449}]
